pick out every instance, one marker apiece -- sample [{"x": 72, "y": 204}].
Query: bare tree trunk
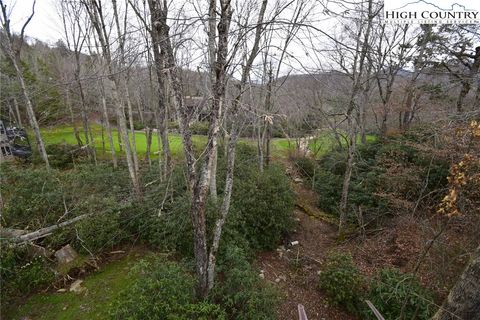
[
  {"x": 119, "y": 137},
  {"x": 102, "y": 124},
  {"x": 364, "y": 104},
  {"x": 109, "y": 130},
  {"x": 86, "y": 128},
  {"x": 12, "y": 52},
  {"x": 352, "y": 123},
  {"x": 199, "y": 184},
  {"x": 17, "y": 111},
  {"x": 159, "y": 64},
  {"x": 148, "y": 136},
  {"x": 31, "y": 114},
  {"x": 269, "y": 118},
  {"x": 72, "y": 118},
  {"x": 461, "y": 96},
  {"x": 212, "y": 21},
  {"x": 352, "y": 144},
  {"x": 231, "y": 150},
  {"x": 260, "y": 148},
  {"x": 213, "y": 178},
  {"x": 419, "y": 63},
  {"x": 95, "y": 12},
  {"x": 463, "y": 301},
  {"x": 122, "y": 125},
  {"x": 48, "y": 230},
  {"x": 132, "y": 129}
]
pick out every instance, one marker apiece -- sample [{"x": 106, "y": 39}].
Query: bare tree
[
  {"x": 391, "y": 52},
  {"x": 357, "y": 75},
  {"x": 232, "y": 143},
  {"x": 159, "y": 64},
  {"x": 410, "y": 106},
  {"x": 11, "y": 46},
  {"x": 95, "y": 9},
  {"x": 75, "y": 36}
]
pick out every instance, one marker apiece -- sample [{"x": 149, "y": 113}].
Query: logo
[{"x": 432, "y": 11}]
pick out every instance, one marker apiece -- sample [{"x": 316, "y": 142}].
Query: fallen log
[{"x": 41, "y": 233}]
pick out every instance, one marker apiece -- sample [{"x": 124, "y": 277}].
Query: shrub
[
  {"x": 392, "y": 290},
  {"x": 200, "y": 128},
  {"x": 240, "y": 290},
  {"x": 35, "y": 197},
  {"x": 262, "y": 208},
  {"x": 31, "y": 197},
  {"x": 387, "y": 178},
  {"x": 98, "y": 232},
  {"x": 260, "y": 212},
  {"x": 341, "y": 281},
  {"x": 162, "y": 290},
  {"x": 20, "y": 274},
  {"x": 307, "y": 166},
  {"x": 329, "y": 187},
  {"x": 63, "y": 155}
]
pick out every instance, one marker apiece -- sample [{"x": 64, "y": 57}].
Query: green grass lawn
[
  {"x": 319, "y": 145},
  {"x": 64, "y": 134},
  {"x": 101, "y": 288},
  {"x": 324, "y": 143},
  {"x": 279, "y": 147}
]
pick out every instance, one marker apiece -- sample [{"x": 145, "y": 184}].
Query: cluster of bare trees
[{"x": 131, "y": 56}]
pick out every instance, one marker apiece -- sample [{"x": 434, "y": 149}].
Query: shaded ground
[
  {"x": 294, "y": 268},
  {"x": 98, "y": 291}
]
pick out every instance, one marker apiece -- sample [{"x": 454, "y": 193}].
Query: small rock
[
  {"x": 294, "y": 243},
  {"x": 77, "y": 286},
  {"x": 298, "y": 180},
  {"x": 66, "y": 254},
  {"x": 262, "y": 276},
  {"x": 277, "y": 280},
  {"x": 62, "y": 290},
  {"x": 65, "y": 308}
]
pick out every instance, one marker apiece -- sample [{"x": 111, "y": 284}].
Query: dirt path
[{"x": 294, "y": 268}]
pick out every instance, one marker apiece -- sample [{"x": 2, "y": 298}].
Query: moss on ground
[{"x": 101, "y": 288}]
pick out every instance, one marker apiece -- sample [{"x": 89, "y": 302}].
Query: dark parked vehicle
[{"x": 14, "y": 141}]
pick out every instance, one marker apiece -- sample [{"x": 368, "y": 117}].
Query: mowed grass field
[
  {"x": 64, "y": 134},
  {"x": 280, "y": 146}
]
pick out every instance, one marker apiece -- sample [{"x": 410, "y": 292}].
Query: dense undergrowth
[
  {"x": 395, "y": 294},
  {"x": 395, "y": 176},
  {"x": 404, "y": 175},
  {"x": 262, "y": 203},
  {"x": 390, "y": 177}
]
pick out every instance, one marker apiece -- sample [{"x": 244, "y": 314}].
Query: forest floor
[
  {"x": 99, "y": 288},
  {"x": 294, "y": 269}
]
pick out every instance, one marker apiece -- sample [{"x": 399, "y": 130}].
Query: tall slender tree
[{"x": 11, "y": 46}]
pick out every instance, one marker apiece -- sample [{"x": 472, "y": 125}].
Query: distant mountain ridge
[{"x": 435, "y": 6}]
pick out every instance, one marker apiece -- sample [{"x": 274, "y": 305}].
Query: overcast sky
[{"x": 45, "y": 24}]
